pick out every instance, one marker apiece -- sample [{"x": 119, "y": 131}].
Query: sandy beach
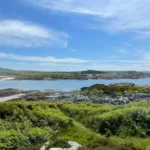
[{"x": 8, "y": 98}]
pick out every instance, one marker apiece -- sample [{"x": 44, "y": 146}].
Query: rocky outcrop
[
  {"x": 76, "y": 98},
  {"x": 9, "y": 92},
  {"x": 120, "y": 100},
  {"x": 81, "y": 98},
  {"x": 72, "y": 96},
  {"x": 34, "y": 96},
  {"x": 111, "y": 99}
]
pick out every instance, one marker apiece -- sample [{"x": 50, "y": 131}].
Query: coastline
[
  {"x": 56, "y": 79},
  {"x": 81, "y": 75},
  {"x": 114, "y": 94},
  {"x": 3, "y": 78}
]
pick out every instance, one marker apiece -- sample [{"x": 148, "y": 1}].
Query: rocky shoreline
[{"x": 71, "y": 96}]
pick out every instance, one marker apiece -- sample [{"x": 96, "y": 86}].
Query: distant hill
[
  {"x": 82, "y": 75},
  {"x": 6, "y": 70},
  {"x": 75, "y": 72},
  {"x": 93, "y": 72}
]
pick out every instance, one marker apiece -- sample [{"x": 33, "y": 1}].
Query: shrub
[
  {"x": 12, "y": 140},
  {"x": 38, "y": 135},
  {"x": 108, "y": 133}
]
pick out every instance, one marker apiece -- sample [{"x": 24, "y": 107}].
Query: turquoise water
[{"x": 65, "y": 85}]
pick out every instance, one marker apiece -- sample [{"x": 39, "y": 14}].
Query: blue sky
[{"x": 69, "y": 35}]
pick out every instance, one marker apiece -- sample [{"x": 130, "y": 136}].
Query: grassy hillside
[
  {"x": 37, "y": 75},
  {"x": 27, "y": 125},
  {"x": 41, "y": 75},
  {"x": 114, "y": 89}
]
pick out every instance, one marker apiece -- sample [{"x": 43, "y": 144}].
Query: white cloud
[
  {"x": 48, "y": 59},
  {"x": 75, "y": 67},
  {"x": 25, "y": 34},
  {"x": 144, "y": 59},
  {"x": 49, "y": 63},
  {"x": 111, "y": 15}
]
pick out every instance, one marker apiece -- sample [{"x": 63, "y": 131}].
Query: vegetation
[
  {"x": 93, "y": 72},
  {"x": 23, "y": 124},
  {"x": 128, "y": 120},
  {"x": 27, "y": 125},
  {"x": 114, "y": 89},
  {"x": 37, "y": 75},
  {"x": 42, "y": 75}
]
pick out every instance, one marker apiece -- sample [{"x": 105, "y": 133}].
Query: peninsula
[{"x": 7, "y": 74}]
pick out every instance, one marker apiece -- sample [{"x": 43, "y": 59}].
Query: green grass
[{"x": 27, "y": 125}]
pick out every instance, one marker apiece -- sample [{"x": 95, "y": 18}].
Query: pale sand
[
  {"x": 8, "y": 98},
  {"x": 3, "y": 78}
]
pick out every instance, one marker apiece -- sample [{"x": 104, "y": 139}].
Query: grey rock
[
  {"x": 9, "y": 92},
  {"x": 44, "y": 146}
]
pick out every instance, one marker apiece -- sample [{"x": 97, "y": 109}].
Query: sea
[{"x": 64, "y": 85}]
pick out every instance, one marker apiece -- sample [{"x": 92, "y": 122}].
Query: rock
[
  {"x": 81, "y": 98},
  {"x": 35, "y": 96},
  {"x": 74, "y": 146},
  {"x": 120, "y": 100},
  {"x": 44, "y": 146},
  {"x": 56, "y": 149},
  {"x": 9, "y": 92},
  {"x": 72, "y": 96}
]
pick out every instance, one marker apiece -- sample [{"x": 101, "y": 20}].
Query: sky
[{"x": 75, "y": 35}]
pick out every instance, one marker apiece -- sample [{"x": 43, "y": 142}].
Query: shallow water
[{"x": 65, "y": 85}]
